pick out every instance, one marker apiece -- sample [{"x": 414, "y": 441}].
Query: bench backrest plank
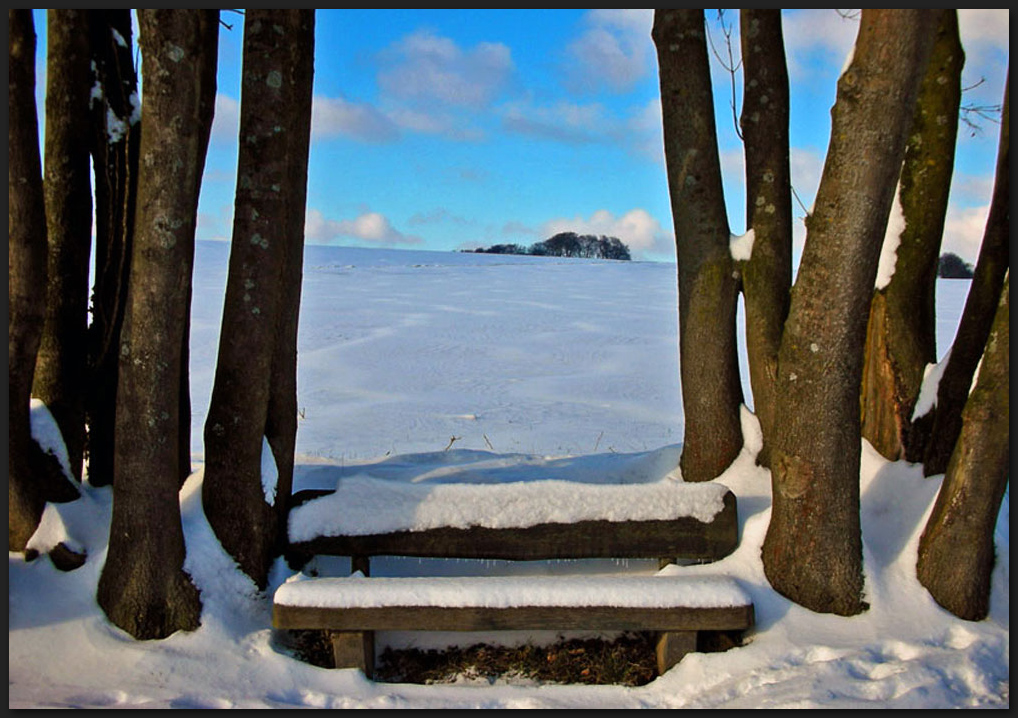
[{"x": 681, "y": 538}]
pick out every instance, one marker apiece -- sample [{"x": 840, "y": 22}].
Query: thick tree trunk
[
  {"x": 61, "y": 367},
  {"x": 115, "y": 140},
  {"x": 901, "y": 338},
  {"x": 977, "y": 317},
  {"x": 143, "y": 587},
  {"x": 767, "y": 275},
  {"x": 956, "y": 552},
  {"x": 813, "y": 549},
  {"x": 707, "y": 277},
  {"x": 26, "y": 260},
  {"x": 254, "y": 393}
]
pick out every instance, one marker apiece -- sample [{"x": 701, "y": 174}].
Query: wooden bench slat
[
  {"x": 563, "y": 618},
  {"x": 684, "y": 538}
]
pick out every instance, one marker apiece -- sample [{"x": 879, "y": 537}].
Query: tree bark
[
  {"x": 254, "y": 393},
  {"x": 767, "y": 275},
  {"x": 707, "y": 276},
  {"x": 977, "y": 317},
  {"x": 901, "y": 338},
  {"x": 61, "y": 366},
  {"x": 115, "y": 140},
  {"x": 813, "y": 549},
  {"x": 956, "y": 552},
  {"x": 143, "y": 587}
]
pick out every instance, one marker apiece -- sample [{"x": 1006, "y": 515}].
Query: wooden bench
[{"x": 669, "y": 521}]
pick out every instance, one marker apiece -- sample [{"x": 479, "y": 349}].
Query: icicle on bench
[{"x": 525, "y": 521}]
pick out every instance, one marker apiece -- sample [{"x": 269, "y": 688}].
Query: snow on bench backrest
[{"x": 362, "y": 505}]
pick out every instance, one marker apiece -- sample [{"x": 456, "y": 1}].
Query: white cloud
[
  {"x": 369, "y": 227},
  {"x": 815, "y": 38},
  {"x": 614, "y": 51},
  {"x": 336, "y": 117},
  {"x": 985, "y": 29},
  {"x": 226, "y": 120},
  {"x": 636, "y": 228},
  {"x": 427, "y": 68},
  {"x": 564, "y": 121},
  {"x": 963, "y": 231},
  {"x": 580, "y": 123}
]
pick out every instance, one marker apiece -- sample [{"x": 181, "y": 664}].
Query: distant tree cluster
[
  {"x": 952, "y": 266},
  {"x": 567, "y": 244}
]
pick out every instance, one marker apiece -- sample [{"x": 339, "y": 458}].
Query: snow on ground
[{"x": 438, "y": 369}]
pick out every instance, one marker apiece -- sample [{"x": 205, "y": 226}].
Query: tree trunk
[
  {"x": 901, "y": 338},
  {"x": 767, "y": 275},
  {"x": 707, "y": 277},
  {"x": 115, "y": 140},
  {"x": 281, "y": 422},
  {"x": 254, "y": 393},
  {"x": 143, "y": 587},
  {"x": 61, "y": 368},
  {"x": 26, "y": 260},
  {"x": 956, "y": 552},
  {"x": 813, "y": 549},
  {"x": 977, "y": 317}
]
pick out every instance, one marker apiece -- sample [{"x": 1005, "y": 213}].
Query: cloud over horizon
[{"x": 370, "y": 227}]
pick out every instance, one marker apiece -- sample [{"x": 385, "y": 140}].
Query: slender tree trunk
[
  {"x": 143, "y": 587},
  {"x": 767, "y": 275},
  {"x": 707, "y": 277},
  {"x": 813, "y": 549},
  {"x": 61, "y": 367},
  {"x": 956, "y": 553},
  {"x": 901, "y": 338},
  {"x": 115, "y": 142},
  {"x": 254, "y": 393},
  {"x": 281, "y": 422},
  {"x": 977, "y": 317}
]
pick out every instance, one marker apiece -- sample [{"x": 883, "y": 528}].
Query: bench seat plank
[
  {"x": 658, "y": 603},
  {"x": 529, "y": 618}
]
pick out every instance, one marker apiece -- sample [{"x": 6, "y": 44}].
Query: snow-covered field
[{"x": 444, "y": 368}]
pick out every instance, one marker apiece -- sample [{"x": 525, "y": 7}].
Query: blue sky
[{"x": 451, "y": 129}]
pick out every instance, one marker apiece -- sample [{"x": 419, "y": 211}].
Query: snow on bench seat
[
  {"x": 512, "y": 591},
  {"x": 352, "y": 609}
]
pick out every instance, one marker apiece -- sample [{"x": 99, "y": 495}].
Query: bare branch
[
  {"x": 990, "y": 113},
  {"x": 730, "y": 65}
]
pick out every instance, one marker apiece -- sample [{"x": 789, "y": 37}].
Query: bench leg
[
  {"x": 354, "y": 649},
  {"x": 360, "y": 563},
  {"x": 672, "y": 646}
]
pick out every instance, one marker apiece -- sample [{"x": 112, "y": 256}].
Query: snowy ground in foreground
[{"x": 437, "y": 368}]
